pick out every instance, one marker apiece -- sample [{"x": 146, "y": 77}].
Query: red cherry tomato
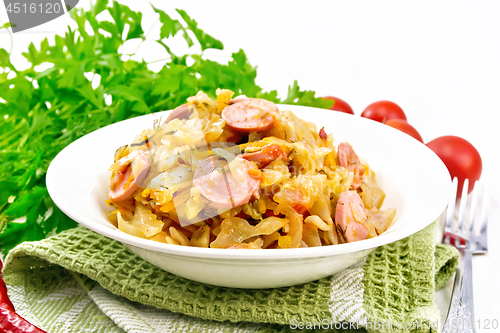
[
  {"x": 403, "y": 126},
  {"x": 460, "y": 157},
  {"x": 340, "y": 105},
  {"x": 383, "y": 111}
]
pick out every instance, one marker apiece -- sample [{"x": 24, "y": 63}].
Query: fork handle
[{"x": 461, "y": 313}]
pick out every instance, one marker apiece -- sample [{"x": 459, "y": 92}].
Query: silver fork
[{"x": 467, "y": 240}]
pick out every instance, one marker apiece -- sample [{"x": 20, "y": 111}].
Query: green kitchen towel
[{"x": 80, "y": 281}]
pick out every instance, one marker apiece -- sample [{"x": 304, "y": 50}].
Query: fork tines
[{"x": 468, "y": 224}]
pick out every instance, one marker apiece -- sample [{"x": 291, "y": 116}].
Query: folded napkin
[{"x": 80, "y": 281}]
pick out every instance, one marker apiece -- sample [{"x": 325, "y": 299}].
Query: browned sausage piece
[
  {"x": 250, "y": 115},
  {"x": 216, "y": 183},
  {"x": 124, "y": 183},
  {"x": 350, "y": 160},
  {"x": 265, "y": 156},
  {"x": 181, "y": 112},
  {"x": 344, "y": 216}
]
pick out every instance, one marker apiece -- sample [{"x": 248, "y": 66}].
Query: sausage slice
[
  {"x": 217, "y": 183},
  {"x": 265, "y": 156},
  {"x": 350, "y": 160},
  {"x": 350, "y": 201},
  {"x": 181, "y": 112},
  {"x": 125, "y": 182},
  {"x": 250, "y": 115}
]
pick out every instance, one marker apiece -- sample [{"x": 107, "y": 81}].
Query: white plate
[{"x": 415, "y": 180}]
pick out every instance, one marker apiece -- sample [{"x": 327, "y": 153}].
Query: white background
[{"x": 439, "y": 60}]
